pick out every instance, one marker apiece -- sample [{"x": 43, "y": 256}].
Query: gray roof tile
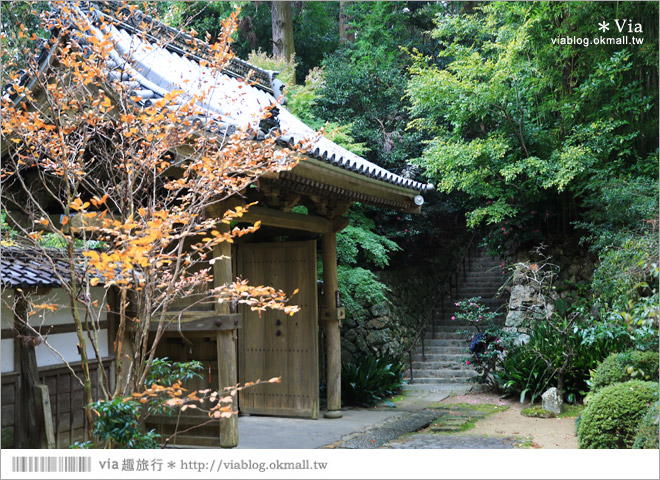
[{"x": 154, "y": 70}]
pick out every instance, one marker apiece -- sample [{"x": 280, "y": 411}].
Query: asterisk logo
[
  {"x": 603, "y": 26},
  {"x": 171, "y": 465}
]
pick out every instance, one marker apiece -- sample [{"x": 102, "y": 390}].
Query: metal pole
[{"x": 412, "y": 379}]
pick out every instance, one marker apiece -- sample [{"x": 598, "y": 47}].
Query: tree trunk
[
  {"x": 346, "y": 32},
  {"x": 282, "y": 24}
]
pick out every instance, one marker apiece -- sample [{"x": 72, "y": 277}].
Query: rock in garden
[{"x": 552, "y": 400}]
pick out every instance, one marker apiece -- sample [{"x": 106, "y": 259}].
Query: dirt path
[{"x": 539, "y": 432}]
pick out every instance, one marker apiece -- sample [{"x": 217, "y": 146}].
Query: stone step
[
  {"x": 482, "y": 280},
  {"x": 472, "y": 291},
  {"x": 439, "y": 343},
  {"x": 440, "y": 357},
  {"x": 484, "y": 262},
  {"x": 445, "y": 335},
  {"x": 445, "y": 373},
  {"x": 486, "y": 302},
  {"x": 440, "y": 381},
  {"x": 489, "y": 272},
  {"x": 452, "y": 350},
  {"x": 450, "y": 365}
]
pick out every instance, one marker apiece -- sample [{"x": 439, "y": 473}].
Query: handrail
[{"x": 439, "y": 298}]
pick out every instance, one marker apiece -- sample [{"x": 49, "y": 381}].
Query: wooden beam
[
  {"x": 339, "y": 177},
  {"x": 294, "y": 221},
  {"x": 207, "y": 323},
  {"x": 333, "y": 339},
  {"x": 51, "y": 330}
]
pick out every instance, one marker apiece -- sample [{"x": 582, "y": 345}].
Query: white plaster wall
[
  {"x": 7, "y": 359},
  {"x": 65, "y": 344},
  {"x": 56, "y": 296},
  {"x": 5, "y": 312}
]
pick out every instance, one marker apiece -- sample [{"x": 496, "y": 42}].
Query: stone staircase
[{"x": 443, "y": 367}]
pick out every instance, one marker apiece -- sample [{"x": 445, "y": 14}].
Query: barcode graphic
[{"x": 51, "y": 464}]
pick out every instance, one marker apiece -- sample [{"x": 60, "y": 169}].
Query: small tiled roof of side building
[
  {"x": 32, "y": 268},
  {"x": 155, "y": 62}
]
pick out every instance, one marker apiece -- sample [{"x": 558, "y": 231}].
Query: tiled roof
[
  {"x": 29, "y": 267},
  {"x": 154, "y": 64}
]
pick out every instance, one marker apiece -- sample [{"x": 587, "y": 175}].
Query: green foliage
[
  {"x": 647, "y": 430},
  {"x": 624, "y": 366},
  {"x": 485, "y": 361},
  {"x": 315, "y": 27},
  {"x": 81, "y": 445},
  {"x": 301, "y": 102},
  {"x": 21, "y": 32},
  {"x": 517, "y": 120},
  {"x": 611, "y": 418},
  {"x": 359, "y": 248},
  {"x": 367, "y": 379},
  {"x": 358, "y": 244},
  {"x": 7, "y": 234},
  {"x": 627, "y": 272},
  {"x": 375, "y": 63},
  {"x": 523, "y": 373},
  {"x": 619, "y": 209},
  {"x": 532, "y": 367},
  {"x": 166, "y": 373},
  {"x": 286, "y": 68},
  {"x": 359, "y": 287},
  {"x": 118, "y": 424},
  {"x": 477, "y": 315}
]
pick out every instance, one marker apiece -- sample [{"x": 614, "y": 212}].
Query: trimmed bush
[
  {"x": 611, "y": 418},
  {"x": 367, "y": 379},
  {"x": 623, "y": 366},
  {"x": 647, "y": 430}
]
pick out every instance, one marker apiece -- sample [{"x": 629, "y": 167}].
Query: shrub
[
  {"x": 118, "y": 425},
  {"x": 119, "y": 422},
  {"x": 647, "y": 430},
  {"x": 523, "y": 372},
  {"x": 486, "y": 347},
  {"x": 367, "y": 379},
  {"x": 624, "y": 366},
  {"x": 610, "y": 419},
  {"x": 535, "y": 366}
]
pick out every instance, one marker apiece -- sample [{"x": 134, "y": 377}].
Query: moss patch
[
  {"x": 571, "y": 411},
  {"x": 537, "y": 412},
  {"x": 461, "y": 417},
  {"x": 487, "y": 408}
]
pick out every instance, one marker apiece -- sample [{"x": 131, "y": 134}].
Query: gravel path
[{"x": 422, "y": 440}]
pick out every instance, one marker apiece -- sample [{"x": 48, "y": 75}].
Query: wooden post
[
  {"x": 331, "y": 325},
  {"x": 42, "y": 398},
  {"x": 226, "y": 346},
  {"x": 29, "y": 377}
]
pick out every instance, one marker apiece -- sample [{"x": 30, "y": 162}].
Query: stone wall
[
  {"x": 373, "y": 330},
  {"x": 538, "y": 282}
]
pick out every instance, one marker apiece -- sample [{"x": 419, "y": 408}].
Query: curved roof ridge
[{"x": 155, "y": 68}]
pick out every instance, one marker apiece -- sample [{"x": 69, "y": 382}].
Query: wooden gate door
[{"x": 276, "y": 344}]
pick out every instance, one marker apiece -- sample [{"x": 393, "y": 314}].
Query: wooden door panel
[{"x": 279, "y": 345}]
